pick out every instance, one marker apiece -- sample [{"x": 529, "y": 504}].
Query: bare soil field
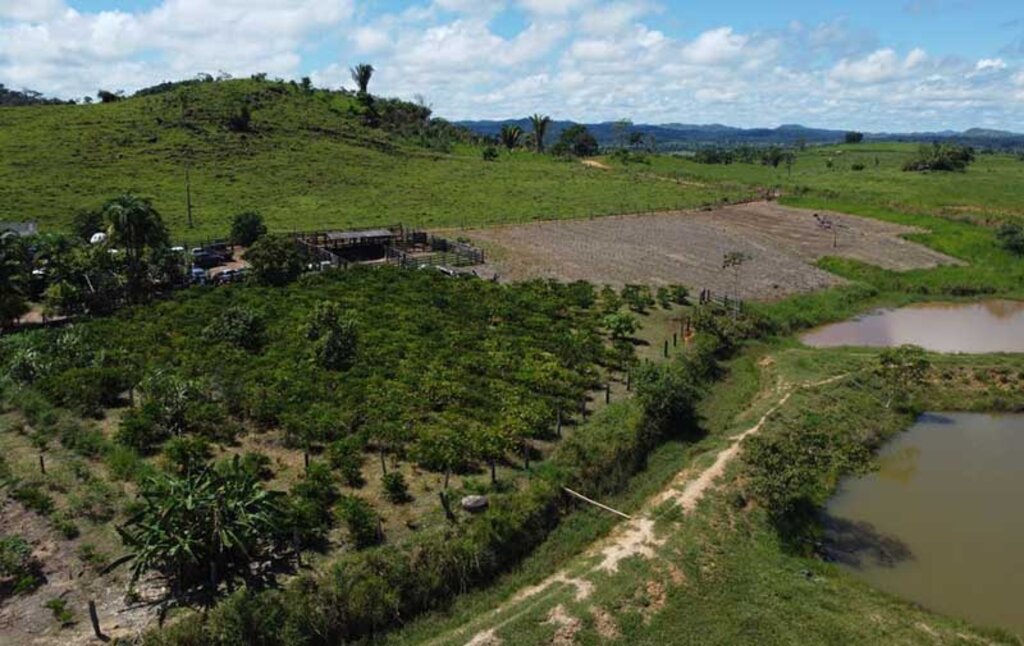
[{"x": 688, "y": 248}]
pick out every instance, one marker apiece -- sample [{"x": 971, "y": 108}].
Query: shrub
[
  {"x": 333, "y": 333},
  {"x": 395, "y": 487},
  {"x": 490, "y": 154},
  {"x": 61, "y": 613},
  {"x": 20, "y": 572},
  {"x": 141, "y": 428},
  {"x": 88, "y": 442},
  {"x": 242, "y": 327},
  {"x": 941, "y": 157},
  {"x": 94, "y": 500},
  {"x": 1011, "y": 237},
  {"x": 275, "y": 260},
  {"x": 360, "y": 519},
  {"x": 638, "y": 297},
  {"x": 346, "y": 456},
  {"x": 310, "y": 503},
  {"x": 33, "y": 497},
  {"x": 186, "y": 453},
  {"x": 86, "y": 391},
  {"x": 857, "y": 166},
  {"x": 257, "y": 464}
]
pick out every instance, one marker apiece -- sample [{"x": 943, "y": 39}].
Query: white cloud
[
  {"x": 878, "y": 67},
  {"x": 990, "y": 64},
  {"x": 553, "y": 7},
  {"x": 715, "y": 47},
  {"x": 614, "y": 17},
  {"x": 30, "y": 10}
]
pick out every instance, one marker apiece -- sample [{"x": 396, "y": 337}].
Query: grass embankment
[
  {"x": 308, "y": 163},
  {"x": 726, "y": 573}
]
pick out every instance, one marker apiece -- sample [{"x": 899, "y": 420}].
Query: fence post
[
  {"x": 666, "y": 348},
  {"x": 95, "y": 619},
  {"x": 608, "y": 392},
  {"x": 42, "y": 464}
]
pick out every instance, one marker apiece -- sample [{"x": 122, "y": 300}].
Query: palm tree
[
  {"x": 511, "y": 135},
  {"x": 540, "y": 127},
  {"x": 362, "y": 74},
  {"x": 134, "y": 225}
]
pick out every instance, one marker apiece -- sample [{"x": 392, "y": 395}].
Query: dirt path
[{"x": 636, "y": 537}]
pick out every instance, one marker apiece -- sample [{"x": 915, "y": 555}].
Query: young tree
[
  {"x": 854, "y": 137},
  {"x": 247, "y": 227},
  {"x": 334, "y": 335},
  {"x": 735, "y": 260},
  {"x": 902, "y": 369},
  {"x": 620, "y": 326},
  {"x": 540, "y": 125},
  {"x": 576, "y": 140}
]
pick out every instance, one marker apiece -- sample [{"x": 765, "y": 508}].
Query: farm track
[{"x": 636, "y": 537}]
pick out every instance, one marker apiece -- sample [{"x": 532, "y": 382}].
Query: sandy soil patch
[{"x": 687, "y": 248}]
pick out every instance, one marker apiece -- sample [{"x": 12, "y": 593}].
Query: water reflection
[
  {"x": 989, "y": 326},
  {"x": 940, "y": 522}
]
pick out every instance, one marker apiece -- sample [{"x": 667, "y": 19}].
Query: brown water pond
[
  {"x": 989, "y": 326},
  {"x": 941, "y": 522}
]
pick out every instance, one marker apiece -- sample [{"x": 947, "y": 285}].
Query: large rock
[{"x": 474, "y": 504}]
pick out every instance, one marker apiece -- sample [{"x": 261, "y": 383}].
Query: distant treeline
[{"x": 9, "y": 97}]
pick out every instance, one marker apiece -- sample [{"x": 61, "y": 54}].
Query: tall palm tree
[
  {"x": 540, "y": 128},
  {"x": 134, "y": 225},
  {"x": 362, "y": 74},
  {"x": 511, "y": 135}
]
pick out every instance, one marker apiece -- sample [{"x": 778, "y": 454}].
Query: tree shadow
[{"x": 858, "y": 544}]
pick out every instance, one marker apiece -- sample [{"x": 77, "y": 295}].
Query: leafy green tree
[
  {"x": 395, "y": 488},
  {"x": 275, "y": 260},
  {"x": 346, "y": 455},
  {"x": 240, "y": 326},
  {"x": 361, "y": 75},
  {"x": 334, "y": 335},
  {"x": 202, "y": 527},
  {"x": 902, "y": 369},
  {"x": 87, "y": 223},
  {"x": 444, "y": 447},
  {"x": 638, "y": 297},
  {"x": 540, "y": 125},
  {"x": 310, "y": 503},
  {"x": 620, "y": 326},
  {"x": 361, "y": 521},
  {"x": 13, "y": 279},
  {"x": 490, "y": 154},
  {"x": 577, "y": 141},
  {"x": 511, "y": 136},
  {"x": 247, "y": 227},
  {"x": 854, "y": 137}
]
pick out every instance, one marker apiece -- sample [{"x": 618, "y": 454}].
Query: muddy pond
[
  {"x": 989, "y": 326},
  {"x": 941, "y": 522}
]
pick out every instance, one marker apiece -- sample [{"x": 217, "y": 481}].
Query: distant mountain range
[{"x": 683, "y": 136}]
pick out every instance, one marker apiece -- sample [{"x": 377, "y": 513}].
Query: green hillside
[{"x": 307, "y": 162}]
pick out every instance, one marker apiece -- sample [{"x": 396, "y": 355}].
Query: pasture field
[
  {"x": 687, "y": 248},
  {"x": 307, "y": 164}
]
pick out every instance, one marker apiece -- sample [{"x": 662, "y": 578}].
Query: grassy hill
[{"x": 308, "y": 162}]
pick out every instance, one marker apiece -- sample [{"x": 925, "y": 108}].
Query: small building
[
  {"x": 21, "y": 229},
  {"x": 360, "y": 245}
]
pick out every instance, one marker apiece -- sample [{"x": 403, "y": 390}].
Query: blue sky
[{"x": 875, "y": 65}]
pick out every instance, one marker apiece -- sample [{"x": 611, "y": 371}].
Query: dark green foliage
[
  {"x": 275, "y": 260},
  {"x": 854, "y": 137},
  {"x": 247, "y": 227},
  {"x": 360, "y": 520},
  {"x": 857, "y": 166},
  {"x": 334, "y": 336},
  {"x": 241, "y": 120},
  {"x": 577, "y": 141},
  {"x": 257, "y": 465},
  {"x": 346, "y": 455},
  {"x": 490, "y": 153},
  {"x": 188, "y": 453},
  {"x": 87, "y": 222},
  {"x": 310, "y": 503},
  {"x": 224, "y": 518},
  {"x": 87, "y": 391},
  {"x": 33, "y": 497},
  {"x": 395, "y": 488},
  {"x": 20, "y": 572},
  {"x": 638, "y": 298},
  {"x": 941, "y": 157},
  {"x": 142, "y": 429},
  {"x": 1011, "y": 237},
  {"x": 242, "y": 327}
]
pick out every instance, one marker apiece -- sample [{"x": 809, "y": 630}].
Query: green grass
[{"x": 309, "y": 164}]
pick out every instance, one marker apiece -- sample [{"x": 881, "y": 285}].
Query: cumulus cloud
[
  {"x": 878, "y": 67},
  {"x": 580, "y": 59}
]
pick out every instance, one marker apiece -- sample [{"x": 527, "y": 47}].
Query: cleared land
[{"x": 687, "y": 248}]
